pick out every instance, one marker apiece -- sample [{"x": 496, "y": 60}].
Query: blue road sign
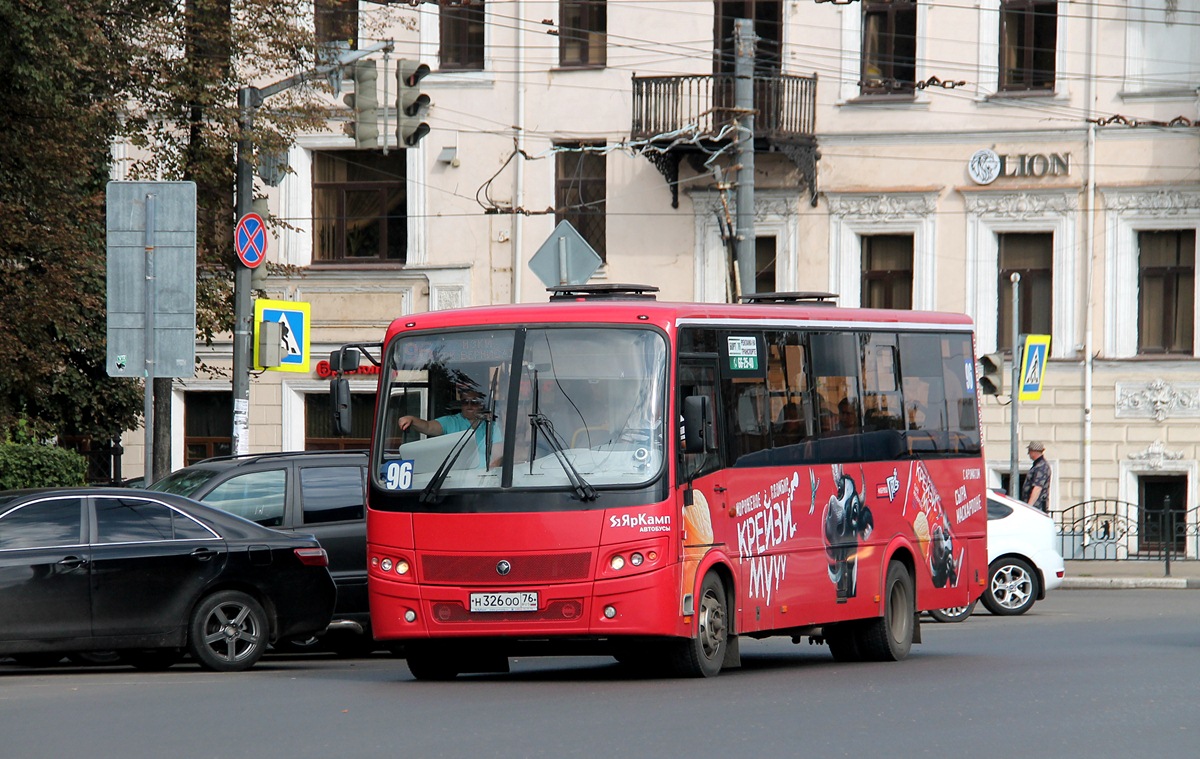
[
  {"x": 294, "y": 318},
  {"x": 1033, "y": 367},
  {"x": 250, "y": 240}
]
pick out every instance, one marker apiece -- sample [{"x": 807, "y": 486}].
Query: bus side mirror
[
  {"x": 344, "y": 360},
  {"x": 339, "y": 398},
  {"x": 697, "y": 425}
]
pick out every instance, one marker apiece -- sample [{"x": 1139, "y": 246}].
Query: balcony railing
[{"x": 664, "y": 105}]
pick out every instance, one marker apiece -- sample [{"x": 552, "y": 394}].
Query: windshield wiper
[
  {"x": 433, "y": 490},
  {"x": 584, "y": 490}
]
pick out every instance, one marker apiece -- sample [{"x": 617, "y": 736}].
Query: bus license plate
[{"x": 525, "y": 600}]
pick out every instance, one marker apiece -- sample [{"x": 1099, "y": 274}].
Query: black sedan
[{"x": 151, "y": 576}]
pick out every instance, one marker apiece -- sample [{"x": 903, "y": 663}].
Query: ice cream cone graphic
[
  {"x": 697, "y": 538},
  {"x": 921, "y": 527},
  {"x": 697, "y": 520}
]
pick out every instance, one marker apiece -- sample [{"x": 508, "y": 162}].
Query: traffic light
[
  {"x": 365, "y": 102},
  {"x": 411, "y": 105},
  {"x": 991, "y": 374}
]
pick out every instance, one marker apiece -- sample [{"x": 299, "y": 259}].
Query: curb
[{"x": 1123, "y": 583}]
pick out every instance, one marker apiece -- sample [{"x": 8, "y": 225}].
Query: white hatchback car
[{"x": 1023, "y": 560}]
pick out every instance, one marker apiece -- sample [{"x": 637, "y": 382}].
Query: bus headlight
[{"x": 617, "y": 562}]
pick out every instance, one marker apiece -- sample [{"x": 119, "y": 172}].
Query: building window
[
  {"x": 579, "y": 191},
  {"x": 887, "y": 271},
  {"x": 359, "y": 206},
  {"x": 1028, "y": 42},
  {"x": 207, "y": 426},
  {"x": 462, "y": 38},
  {"x": 768, "y": 32},
  {"x": 889, "y": 47},
  {"x": 1030, "y": 254},
  {"x": 318, "y": 423},
  {"x": 336, "y": 23},
  {"x": 583, "y": 33},
  {"x": 1166, "y": 291},
  {"x": 765, "y": 279}
]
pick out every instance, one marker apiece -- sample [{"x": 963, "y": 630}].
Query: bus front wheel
[
  {"x": 703, "y": 655},
  {"x": 430, "y": 662}
]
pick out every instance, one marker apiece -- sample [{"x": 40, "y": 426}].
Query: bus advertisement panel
[{"x": 655, "y": 480}]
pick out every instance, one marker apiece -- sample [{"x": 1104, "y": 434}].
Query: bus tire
[
  {"x": 890, "y": 637},
  {"x": 703, "y": 655},
  {"x": 842, "y": 639},
  {"x": 429, "y": 662}
]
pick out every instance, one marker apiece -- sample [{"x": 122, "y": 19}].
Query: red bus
[{"x": 653, "y": 481}]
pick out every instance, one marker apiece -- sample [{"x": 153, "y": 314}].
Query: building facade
[{"x": 908, "y": 154}]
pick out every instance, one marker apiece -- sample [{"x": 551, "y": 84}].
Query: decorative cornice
[
  {"x": 1158, "y": 399},
  {"x": 1156, "y": 454},
  {"x": 883, "y": 207},
  {"x": 1021, "y": 205},
  {"x": 768, "y": 204},
  {"x": 1155, "y": 203}
]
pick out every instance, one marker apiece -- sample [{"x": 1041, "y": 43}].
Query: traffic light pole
[{"x": 249, "y": 99}]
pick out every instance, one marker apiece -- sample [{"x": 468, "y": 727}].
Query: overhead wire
[{"x": 1039, "y": 112}]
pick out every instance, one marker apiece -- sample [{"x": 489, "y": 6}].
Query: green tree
[
  {"x": 158, "y": 80},
  {"x": 61, "y": 83}
]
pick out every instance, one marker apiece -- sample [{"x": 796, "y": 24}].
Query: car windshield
[
  {"x": 564, "y": 408},
  {"x": 184, "y": 481}
]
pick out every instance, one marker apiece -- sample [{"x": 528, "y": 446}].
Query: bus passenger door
[{"x": 703, "y": 522}]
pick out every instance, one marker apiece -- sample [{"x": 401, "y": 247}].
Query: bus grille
[
  {"x": 534, "y": 568},
  {"x": 556, "y": 611}
]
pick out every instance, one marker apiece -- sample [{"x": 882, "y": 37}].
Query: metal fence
[{"x": 1111, "y": 530}]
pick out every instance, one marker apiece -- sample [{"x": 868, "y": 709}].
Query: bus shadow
[{"x": 604, "y": 669}]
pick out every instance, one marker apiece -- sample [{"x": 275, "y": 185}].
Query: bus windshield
[{"x": 565, "y": 409}]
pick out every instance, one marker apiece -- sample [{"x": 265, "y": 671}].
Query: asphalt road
[{"x": 1104, "y": 673}]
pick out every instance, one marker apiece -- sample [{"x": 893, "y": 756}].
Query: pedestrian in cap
[{"x": 1036, "y": 491}]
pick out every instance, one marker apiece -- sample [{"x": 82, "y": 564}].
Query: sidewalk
[{"x": 1090, "y": 575}]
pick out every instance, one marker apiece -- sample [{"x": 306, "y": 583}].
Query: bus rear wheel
[
  {"x": 703, "y": 655},
  {"x": 890, "y": 637}
]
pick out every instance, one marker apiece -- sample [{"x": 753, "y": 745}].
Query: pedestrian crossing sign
[
  {"x": 294, "y": 320},
  {"x": 1033, "y": 367}
]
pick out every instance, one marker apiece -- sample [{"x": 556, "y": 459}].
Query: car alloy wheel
[
  {"x": 1012, "y": 587},
  {"x": 229, "y": 632}
]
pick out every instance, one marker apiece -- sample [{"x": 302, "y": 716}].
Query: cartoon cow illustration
[{"x": 847, "y": 521}]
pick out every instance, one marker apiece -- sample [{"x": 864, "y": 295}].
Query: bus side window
[
  {"x": 748, "y": 415},
  {"x": 698, "y": 379},
  {"x": 792, "y": 414},
  {"x": 881, "y": 402},
  {"x": 836, "y": 361},
  {"x": 939, "y": 411}
]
